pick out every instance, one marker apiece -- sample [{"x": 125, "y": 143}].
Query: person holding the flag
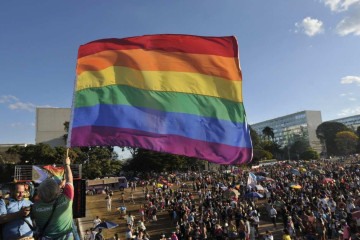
[{"x": 53, "y": 212}]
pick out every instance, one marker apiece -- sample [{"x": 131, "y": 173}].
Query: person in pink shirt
[{"x": 345, "y": 230}]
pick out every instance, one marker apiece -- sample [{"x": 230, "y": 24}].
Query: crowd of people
[{"x": 319, "y": 200}]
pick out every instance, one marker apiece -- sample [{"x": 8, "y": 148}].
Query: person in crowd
[
  {"x": 129, "y": 232},
  {"x": 163, "y": 237},
  {"x": 53, "y": 212},
  {"x": 273, "y": 214},
  {"x": 96, "y": 221},
  {"x": 286, "y": 235},
  {"x": 116, "y": 237},
  {"x": 108, "y": 199},
  {"x": 130, "y": 219},
  {"x": 14, "y": 214},
  {"x": 92, "y": 233},
  {"x": 345, "y": 230},
  {"x": 268, "y": 235},
  {"x": 87, "y": 235},
  {"x": 99, "y": 235}
]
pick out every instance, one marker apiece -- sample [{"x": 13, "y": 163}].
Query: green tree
[
  {"x": 346, "y": 142},
  {"x": 268, "y": 133},
  {"x": 147, "y": 160},
  {"x": 34, "y": 154},
  {"x": 261, "y": 154},
  {"x": 309, "y": 154},
  {"x": 255, "y": 139},
  {"x": 326, "y": 132},
  {"x": 99, "y": 162},
  {"x": 358, "y": 144},
  {"x": 298, "y": 147}
]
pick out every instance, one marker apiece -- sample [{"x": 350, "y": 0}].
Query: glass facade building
[
  {"x": 287, "y": 129},
  {"x": 352, "y": 122}
]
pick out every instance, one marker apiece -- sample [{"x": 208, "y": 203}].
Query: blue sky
[{"x": 294, "y": 55}]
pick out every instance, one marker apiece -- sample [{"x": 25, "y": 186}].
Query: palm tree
[{"x": 268, "y": 132}]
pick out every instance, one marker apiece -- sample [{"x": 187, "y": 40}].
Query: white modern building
[
  {"x": 50, "y": 127},
  {"x": 289, "y": 128}
]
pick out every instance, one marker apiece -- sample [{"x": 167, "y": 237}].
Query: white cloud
[
  {"x": 22, "y": 106},
  {"x": 14, "y": 103},
  {"x": 340, "y": 5},
  {"x": 8, "y": 98},
  {"x": 350, "y": 80},
  {"x": 349, "y": 111},
  {"x": 309, "y": 26},
  {"x": 350, "y": 24},
  {"x": 16, "y": 125},
  {"x": 352, "y": 99}
]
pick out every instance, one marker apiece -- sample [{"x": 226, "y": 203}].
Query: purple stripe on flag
[{"x": 109, "y": 136}]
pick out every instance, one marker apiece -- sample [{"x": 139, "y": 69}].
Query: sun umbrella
[
  {"x": 224, "y": 188},
  {"x": 260, "y": 178},
  {"x": 269, "y": 180},
  {"x": 107, "y": 225},
  {"x": 295, "y": 172},
  {"x": 296, "y": 186},
  {"x": 328, "y": 180},
  {"x": 253, "y": 195}
]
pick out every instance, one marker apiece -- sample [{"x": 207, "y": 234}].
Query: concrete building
[
  {"x": 289, "y": 128},
  {"x": 352, "y": 122},
  {"x": 50, "y": 125}
]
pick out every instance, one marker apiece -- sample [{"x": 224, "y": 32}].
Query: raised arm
[{"x": 68, "y": 172}]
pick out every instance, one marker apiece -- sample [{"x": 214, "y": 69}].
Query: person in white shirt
[
  {"x": 273, "y": 214},
  {"x": 108, "y": 202},
  {"x": 268, "y": 235},
  {"x": 97, "y": 221},
  {"x": 130, "y": 219}
]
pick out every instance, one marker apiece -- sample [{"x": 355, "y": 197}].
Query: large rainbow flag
[{"x": 180, "y": 94}]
